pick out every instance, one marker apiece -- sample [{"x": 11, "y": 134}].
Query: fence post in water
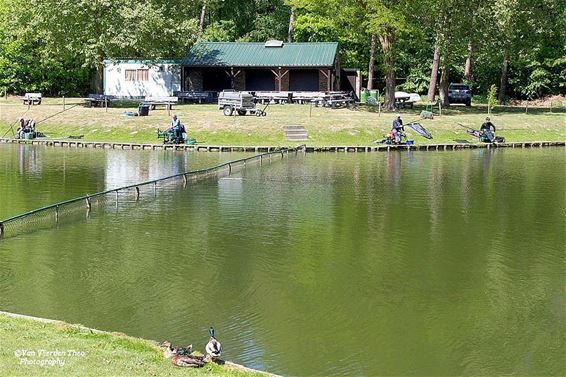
[
  {"x": 116, "y": 198},
  {"x": 88, "y": 205},
  {"x": 1, "y": 230},
  {"x": 184, "y": 180},
  {"x": 57, "y": 213},
  {"x": 137, "y": 193},
  {"x": 229, "y": 168},
  {"x": 261, "y": 160},
  {"x": 155, "y": 189}
]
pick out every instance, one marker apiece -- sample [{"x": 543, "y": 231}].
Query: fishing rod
[
  {"x": 13, "y": 124},
  {"x": 53, "y": 115}
]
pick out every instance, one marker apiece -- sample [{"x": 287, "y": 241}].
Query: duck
[
  {"x": 213, "y": 347},
  {"x": 185, "y": 350},
  {"x": 187, "y": 361},
  {"x": 169, "y": 351}
]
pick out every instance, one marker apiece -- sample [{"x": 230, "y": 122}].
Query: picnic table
[
  {"x": 156, "y": 101},
  {"x": 99, "y": 100},
  {"x": 194, "y": 96},
  {"x": 32, "y": 99},
  {"x": 403, "y": 100},
  {"x": 264, "y": 97},
  {"x": 335, "y": 99}
]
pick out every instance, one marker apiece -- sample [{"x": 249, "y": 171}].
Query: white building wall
[{"x": 163, "y": 79}]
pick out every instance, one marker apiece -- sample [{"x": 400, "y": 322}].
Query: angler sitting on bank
[
  {"x": 487, "y": 135},
  {"x": 397, "y": 130},
  {"x": 177, "y": 129},
  {"x": 25, "y": 127}
]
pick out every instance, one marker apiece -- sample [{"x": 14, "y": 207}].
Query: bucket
[
  {"x": 364, "y": 96},
  {"x": 410, "y": 142},
  {"x": 143, "y": 110}
]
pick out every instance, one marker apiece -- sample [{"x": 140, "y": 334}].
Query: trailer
[{"x": 230, "y": 101}]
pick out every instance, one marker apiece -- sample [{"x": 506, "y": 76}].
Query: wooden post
[
  {"x": 137, "y": 193},
  {"x": 57, "y": 214},
  {"x": 527, "y": 107},
  {"x": 63, "y": 103},
  {"x": 88, "y": 204},
  {"x": 1, "y": 230}
]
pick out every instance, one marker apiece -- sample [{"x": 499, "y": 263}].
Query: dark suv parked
[{"x": 460, "y": 93}]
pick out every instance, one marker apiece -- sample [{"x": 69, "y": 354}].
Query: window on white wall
[{"x": 136, "y": 74}]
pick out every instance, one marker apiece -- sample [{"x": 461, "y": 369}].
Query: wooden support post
[
  {"x": 88, "y": 204},
  {"x": 137, "y": 193},
  {"x": 56, "y": 213},
  {"x": 229, "y": 168},
  {"x": 154, "y": 189}
]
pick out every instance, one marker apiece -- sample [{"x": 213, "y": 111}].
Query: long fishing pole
[
  {"x": 13, "y": 124},
  {"x": 51, "y": 116}
]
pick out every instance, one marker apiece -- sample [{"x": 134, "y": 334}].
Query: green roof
[{"x": 255, "y": 54}]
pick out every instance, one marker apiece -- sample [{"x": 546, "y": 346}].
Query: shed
[
  {"x": 257, "y": 66},
  {"x": 141, "y": 78}
]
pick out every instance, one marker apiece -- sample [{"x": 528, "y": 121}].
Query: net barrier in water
[{"x": 123, "y": 197}]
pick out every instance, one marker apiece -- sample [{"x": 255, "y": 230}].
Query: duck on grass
[{"x": 183, "y": 356}]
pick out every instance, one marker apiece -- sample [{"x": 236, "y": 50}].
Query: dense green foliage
[{"x": 58, "y": 47}]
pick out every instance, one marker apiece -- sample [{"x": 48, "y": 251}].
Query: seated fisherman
[
  {"x": 175, "y": 128},
  {"x": 397, "y": 129},
  {"x": 486, "y": 130}
]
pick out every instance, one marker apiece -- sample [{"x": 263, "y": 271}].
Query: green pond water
[{"x": 411, "y": 263}]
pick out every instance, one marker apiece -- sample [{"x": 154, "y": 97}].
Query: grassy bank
[
  {"x": 326, "y": 126},
  {"x": 33, "y": 348}
]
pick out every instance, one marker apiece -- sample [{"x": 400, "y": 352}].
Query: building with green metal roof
[
  {"x": 249, "y": 66},
  {"x": 270, "y": 66}
]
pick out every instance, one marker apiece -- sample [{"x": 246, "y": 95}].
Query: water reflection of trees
[{"x": 440, "y": 258}]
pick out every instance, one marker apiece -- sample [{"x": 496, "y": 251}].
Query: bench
[
  {"x": 155, "y": 101},
  {"x": 32, "y": 99},
  {"x": 99, "y": 100}
]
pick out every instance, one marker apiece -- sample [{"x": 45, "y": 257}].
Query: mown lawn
[
  {"x": 31, "y": 348},
  {"x": 359, "y": 126}
]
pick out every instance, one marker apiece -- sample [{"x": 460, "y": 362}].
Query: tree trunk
[
  {"x": 468, "y": 65},
  {"x": 291, "y": 22},
  {"x": 202, "y": 13},
  {"x": 99, "y": 78},
  {"x": 444, "y": 82},
  {"x": 371, "y": 68},
  {"x": 504, "y": 76},
  {"x": 434, "y": 73},
  {"x": 386, "y": 40}
]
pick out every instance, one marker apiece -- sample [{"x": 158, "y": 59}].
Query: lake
[{"x": 399, "y": 263}]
